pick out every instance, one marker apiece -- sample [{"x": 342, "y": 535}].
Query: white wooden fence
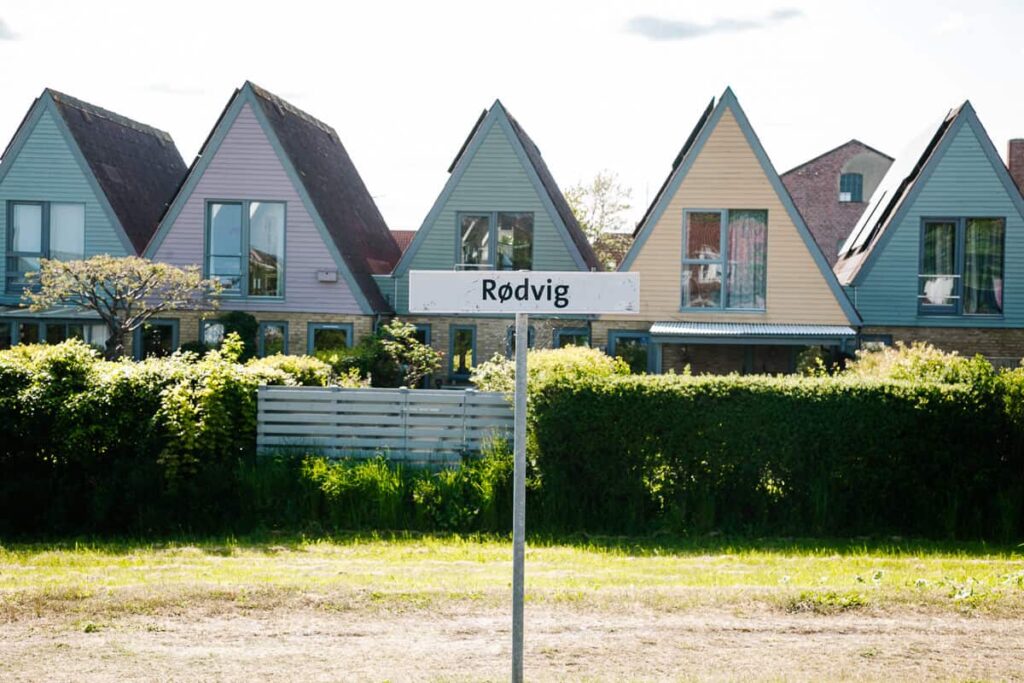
[{"x": 414, "y": 426}]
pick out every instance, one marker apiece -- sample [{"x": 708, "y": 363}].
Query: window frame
[
  {"x": 311, "y": 329},
  {"x": 452, "y": 329},
  {"x": 616, "y": 336},
  {"x": 957, "y": 309},
  {"x": 11, "y": 286},
  {"x": 173, "y": 323},
  {"x": 531, "y": 339},
  {"x": 42, "y": 323},
  {"x": 722, "y": 261},
  {"x": 203, "y": 324},
  {"x": 492, "y": 238},
  {"x": 260, "y": 341},
  {"x": 559, "y": 332},
  {"x": 855, "y": 198},
  {"x": 243, "y": 289}
]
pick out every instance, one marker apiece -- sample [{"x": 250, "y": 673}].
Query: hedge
[{"x": 833, "y": 456}]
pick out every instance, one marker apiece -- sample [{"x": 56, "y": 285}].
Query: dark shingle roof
[
  {"x": 675, "y": 163},
  {"x": 579, "y": 239},
  {"x": 337, "y": 191},
  {"x": 138, "y": 167}
]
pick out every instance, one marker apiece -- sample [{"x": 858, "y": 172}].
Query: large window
[
  {"x": 851, "y": 187},
  {"x": 245, "y": 247},
  {"x": 724, "y": 259},
  {"x": 156, "y": 339},
  {"x": 500, "y": 240},
  {"x": 273, "y": 338},
  {"x": 462, "y": 358},
  {"x": 571, "y": 336},
  {"x": 51, "y": 332},
  {"x": 39, "y": 230},
  {"x": 328, "y": 337},
  {"x": 961, "y": 266},
  {"x": 633, "y": 348}
]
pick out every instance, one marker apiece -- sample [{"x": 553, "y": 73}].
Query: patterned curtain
[
  {"x": 983, "y": 266},
  {"x": 747, "y": 256}
]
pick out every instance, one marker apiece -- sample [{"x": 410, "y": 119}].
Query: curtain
[
  {"x": 983, "y": 266},
  {"x": 746, "y": 281}
]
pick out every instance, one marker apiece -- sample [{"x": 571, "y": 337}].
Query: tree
[
  {"x": 600, "y": 206},
  {"x": 124, "y": 292}
]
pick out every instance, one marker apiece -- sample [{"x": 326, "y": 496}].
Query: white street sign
[{"x": 504, "y": 291}]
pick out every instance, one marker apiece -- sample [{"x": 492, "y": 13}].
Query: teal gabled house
[
  {"x": 499, "y": 209},
  {"x": 76, "y": 181},
  {"x": 938, "y": 255}
]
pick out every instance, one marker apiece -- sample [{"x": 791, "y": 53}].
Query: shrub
[
  {"x": 391, "y": 357},
  {"x": 548, "y": 365},
  {"x": 307, "y": 371},
  {"x": 921, "y": 362}
]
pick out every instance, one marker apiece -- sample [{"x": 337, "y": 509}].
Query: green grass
[{"x": 397, "y": 571}]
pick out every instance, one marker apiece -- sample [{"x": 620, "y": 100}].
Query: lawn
[{"x": 120, "y": 603}]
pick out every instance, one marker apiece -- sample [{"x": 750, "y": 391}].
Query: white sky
[{"x": 403, "y": 82}]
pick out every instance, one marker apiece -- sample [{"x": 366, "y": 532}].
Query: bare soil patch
[{"x": 306, "y": 641}]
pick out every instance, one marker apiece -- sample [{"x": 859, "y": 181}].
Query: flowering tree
[{"x": 124, "y": 292}]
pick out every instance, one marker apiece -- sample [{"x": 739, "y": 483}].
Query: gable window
[
  {"x": 851, "y": 187},
  {"x": 41, "y": 230},
  {"x": 501, "y": 240},
  {"x": 245, "y": 247},
  {"x": 961, "y": 266},
  {"x": 724, "y": 259},
  {"x": 328, "y": 337}
]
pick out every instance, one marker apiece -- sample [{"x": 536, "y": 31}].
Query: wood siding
[
  {"x": 727, "y": 175},
  {"x": 46, "y": 169},
  {"x": 246, "y": 166},
  {"x": 495, "y": 180},
  {"x": 963, "y": 184}
]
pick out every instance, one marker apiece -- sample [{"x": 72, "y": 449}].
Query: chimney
[{"x": 1015, "y": 155}]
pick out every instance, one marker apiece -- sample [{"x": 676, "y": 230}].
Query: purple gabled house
[{"x": 274, "y": 208}]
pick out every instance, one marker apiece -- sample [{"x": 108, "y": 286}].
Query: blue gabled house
[
  {"x": 499, "y": 209},
  {"x": 76, "y": 180},
  {"x": 938, "y": 255}
]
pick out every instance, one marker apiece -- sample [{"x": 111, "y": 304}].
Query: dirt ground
[{"x": 471, "y": 642}]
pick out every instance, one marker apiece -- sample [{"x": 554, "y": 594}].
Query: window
[
  {"x": 41, "y": 230},
  {"x": 245, "y": 247},
  {"x": 631, "y": 347},
  {"x": 6, "y": 335},
  {"x": 571, "y": 336},
  {"x": 156, "y": 339},
  {"x": 500, "y": 240},
  {"x": 422, "y": 333},
  {"x": 733, "y": 277},
  {"x": 463, "y": 351},
  {"x": 851, "y": 187},
  {"x": 875, "y": 342},
  {"x": 211, "y": 333},
  {"x": 961, "y": 266},
  {"x": 510, "y": 339},
  {"x": 273, "y": 338},
  {"x": 50, "y": 332},
  {"x": 329, "y": 337}
]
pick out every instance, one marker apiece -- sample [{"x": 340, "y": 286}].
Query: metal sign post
[{"x": 522, "y": 293}]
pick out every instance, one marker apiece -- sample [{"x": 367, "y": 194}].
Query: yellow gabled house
[{"x": 731, "y": 279}]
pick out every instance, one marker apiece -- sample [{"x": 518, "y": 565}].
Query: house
[
  {"x": 731, "y": 278},
  {"x": 831, "y": 191},
  {"x": 274, "y": 208},
  {"x": 499, "y": 209},
  {"x": 936, "y": 256},
  {"x": 76, "y": 181}
]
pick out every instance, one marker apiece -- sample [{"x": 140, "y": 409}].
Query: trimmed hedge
[{"x": 779, "y": 455}]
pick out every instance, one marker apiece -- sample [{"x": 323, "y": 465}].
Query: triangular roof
[
  {"x": 851, "y": 141},
  {"x": 325, "y": 177},
  {"x": 541, "y": 176},
  {"x": 135, "y": 168},
  {"x": 684, "y": 161},
  {"x": 900, "y": 187},
  {"x": 403, "y": 238}
]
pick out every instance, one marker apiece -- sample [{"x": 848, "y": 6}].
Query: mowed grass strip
[{"x": 408, "y": 571}]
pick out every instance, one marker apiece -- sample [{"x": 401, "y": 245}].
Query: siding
[
  {"x": 727, "y": 175},
  {"x": 246, "y": 166},
  {"x": 495, "y": 180},
  {"x": 46, "y": 169},
  {"x": 964, "y": 183}
]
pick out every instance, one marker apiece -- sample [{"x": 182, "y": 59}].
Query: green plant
[{"x": 547, "y": 365}]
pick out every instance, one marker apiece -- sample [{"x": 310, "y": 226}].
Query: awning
[{"x": 781, "y": 334}]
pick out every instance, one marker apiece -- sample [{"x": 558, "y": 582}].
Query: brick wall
[
  {"x": 362, "y": 325},
  {"x": 1001, "y": 345},
  {"x": 1015, "y": 157}
]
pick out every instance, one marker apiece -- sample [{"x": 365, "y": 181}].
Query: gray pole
[{"x": 519, "y": 498}]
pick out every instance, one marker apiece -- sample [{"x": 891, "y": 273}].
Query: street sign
[
  {"x": 522, "y": 293},
  {"x": 505, "y": 291}
]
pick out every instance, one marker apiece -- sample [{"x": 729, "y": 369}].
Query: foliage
[
  {"x": 124, "y": 292},
  {"x": 921, "y": 362},
  {"x": 547, "y": 365},
  {"x": 842, "y": 455},
  {"x": 414, "y": 360},
  {"x": 306, "y": 370},
  {"x": 600, "y": 206},
  {"x": 611, "y": 248},
  {"x": 245, "y": 326},
  {"x": 391, "y": 357}
]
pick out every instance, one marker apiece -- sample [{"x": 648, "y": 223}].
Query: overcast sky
[{"x": 596, "y": 84}]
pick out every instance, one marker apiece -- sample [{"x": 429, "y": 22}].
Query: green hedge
[{"x": 779, "y": 455}]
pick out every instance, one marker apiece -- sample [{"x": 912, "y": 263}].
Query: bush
[
  {"x": 391, "y": 357},
  {"x": 921, "y": 362},
  {"x": 548, "y": 365},
  {"x": 778, "y": 455},
  {"x": 305, "y": 370}
]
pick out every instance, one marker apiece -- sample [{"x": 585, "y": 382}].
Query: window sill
[{"x": 724, "y": 311}]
